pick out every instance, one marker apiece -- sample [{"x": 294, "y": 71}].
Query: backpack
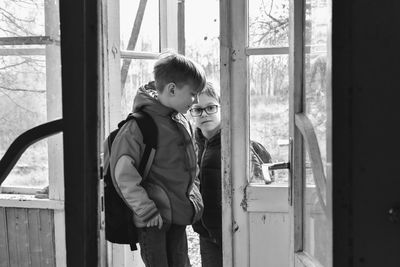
[
  {"x": 119, "y": 226},
  {"x": 259, "y": 155}
]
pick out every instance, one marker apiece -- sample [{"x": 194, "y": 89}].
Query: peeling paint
[
  {"x": 263, "y": 218},
  {"x": 244, "y": 204},
  {"x": 114, "y": 51},
  {"x": 235, "y": 227},
  {"x": 233, "y": 55}
]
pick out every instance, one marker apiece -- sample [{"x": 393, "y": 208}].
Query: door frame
[{"x": 81, "y": 61}]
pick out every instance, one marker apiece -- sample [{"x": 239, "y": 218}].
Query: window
[
  {"x": 269, "y": 79},
  {"x": 202, "y": 35},
  {"x": 30, "y": 88},
  {"x": 140, "y": 46}
]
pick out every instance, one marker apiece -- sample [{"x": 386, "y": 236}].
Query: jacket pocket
[{"x": 161, "y": 199}]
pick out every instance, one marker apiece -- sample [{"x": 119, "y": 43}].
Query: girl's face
[{"x": 208, "y": 113}]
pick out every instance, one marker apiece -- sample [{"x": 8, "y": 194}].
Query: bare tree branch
[
  {"x": 13, "y": 20},
  {"x": 18, "y": 105},
  {"x": 14, "y": 65}
]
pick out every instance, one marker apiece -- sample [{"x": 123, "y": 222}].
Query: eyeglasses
[{"x": 197, "y": 112}]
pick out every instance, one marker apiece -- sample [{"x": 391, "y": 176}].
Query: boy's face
[
  {"x": 208, "y": 118},
  {"x": 184, "y": 97}
]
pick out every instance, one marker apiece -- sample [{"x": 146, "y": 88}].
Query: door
[
  {"x": 255, "y": 106},
  {"x": 274, "y": 87},
  {"x": 310, "y": 130}
]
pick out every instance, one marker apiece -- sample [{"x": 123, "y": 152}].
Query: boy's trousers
[
  {"x": 165, "y": 247},
  {"x": 211, "y": 251}
]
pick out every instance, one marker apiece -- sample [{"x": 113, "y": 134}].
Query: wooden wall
[{"x": 26, "y": 237}]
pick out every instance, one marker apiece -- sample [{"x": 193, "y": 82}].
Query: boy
[
  {"x": 168, "y": 200},
  {"x": 206, "y": 114},
  {"x": 207, "y": 119}
]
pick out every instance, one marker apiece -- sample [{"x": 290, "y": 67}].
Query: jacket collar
[
  {"x": 202, "y": 139},
  {"x": 147, "y": 99}
]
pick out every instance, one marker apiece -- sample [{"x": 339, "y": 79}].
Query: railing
[{"x": 18, "y": 147}]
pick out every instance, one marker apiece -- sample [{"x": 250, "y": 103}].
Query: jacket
[
  {"x": 169, "y": 188},
  {"x": 209, "y": 161}
]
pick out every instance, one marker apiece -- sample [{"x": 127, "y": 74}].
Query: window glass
[
  {"x": 317, "y": 225},
  {"x": 268, "y": 23},
  {"x": 148, "y": 39},
  {"x": 315, "y": 68},
  {"x": 30, "y": 86},
  {"x": 140, "y": 72},
  {"x": 269, "y": 112},
  {"x": 22, "y": 18},
  {"x": 202, "y": 35}
]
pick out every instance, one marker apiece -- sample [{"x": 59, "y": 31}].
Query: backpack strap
[{"x": 149, "y": 132}]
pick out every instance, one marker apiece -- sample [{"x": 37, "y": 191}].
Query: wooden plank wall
[{"x": 26, "y": 237}]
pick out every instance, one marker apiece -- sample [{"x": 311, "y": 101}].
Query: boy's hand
[{"x": 155, "y": 221}]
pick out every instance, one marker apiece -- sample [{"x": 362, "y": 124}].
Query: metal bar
[
  {"x": 278, "y": 166},
  {"x": 138, "y": 55},
  {"x": 28, "y": 40},
  {"x": 23, "y": 141}
]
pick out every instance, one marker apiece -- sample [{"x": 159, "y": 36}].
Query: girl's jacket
[{"x": 170, "y": 188}]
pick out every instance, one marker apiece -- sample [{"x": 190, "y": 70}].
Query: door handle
[{"x": 268, "y": 167}]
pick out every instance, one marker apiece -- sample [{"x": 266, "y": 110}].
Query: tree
[{"x": 22, "y": 87}]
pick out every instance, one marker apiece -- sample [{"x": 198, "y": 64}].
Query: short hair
[
  {"x": 211, "y": 90},
  {"x": 176, "y": 68}
]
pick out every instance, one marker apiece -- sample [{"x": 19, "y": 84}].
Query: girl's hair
[
  {"x": 176, "y": 68},
  {"x": 211, "y": 90}
]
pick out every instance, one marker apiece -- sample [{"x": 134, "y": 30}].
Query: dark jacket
[{"x": 209, "y": 161}]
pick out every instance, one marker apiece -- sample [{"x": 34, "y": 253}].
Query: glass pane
[
  {"x": 148, "y": 39},
  {"x": 32, "y": 169},
  {"x": 269, "y": 109},
  {"x": 317, "y": 227},
  {"x": 140, "y": 72},
  {"x": 317, "y": 221},
  {"x": 30, "y": 91},
  {"x": 202, "y": 35},
  {"x": 315, "y": 69},
  {"x": 21, "y": 18},
  {"x": 268, "y": 23}
]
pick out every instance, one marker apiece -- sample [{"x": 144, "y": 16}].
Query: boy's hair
[
  {"x": 176, "y": 68},
  {"x": 211, "y": 91}
]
